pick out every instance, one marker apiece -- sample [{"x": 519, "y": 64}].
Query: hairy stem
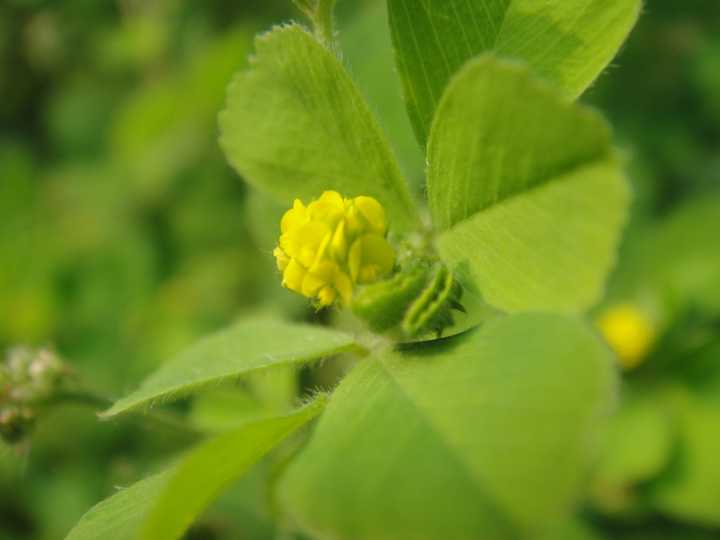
[{"x": 166, "y": 421}]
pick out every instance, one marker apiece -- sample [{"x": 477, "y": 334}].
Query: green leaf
[
  {"x": 162, "y": 507},
  {"x": 247, "y": 347},
  {"x": 500, "y": 132},
  {"x": 567, "y": 42},
  {"x": 525, "y": 188},
  {"x": 689, "y": 277},
  {"x": 202, "y": 475},
  {"x": 639, "y": 444},
  {"x": 690, "y": 489},
  {"x": 484, "y": 435},
  {"x": 296, "y": 125},
  {"x": 636, "y": 449},
  {"x": 572, "y": 529},
  {"x": 120, "y": 517}
]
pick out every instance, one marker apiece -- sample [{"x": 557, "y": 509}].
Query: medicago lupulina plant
[{"x": 477, "y": 388}]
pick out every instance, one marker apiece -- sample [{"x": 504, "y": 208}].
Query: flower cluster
[
  {"x": 28, "y": 379},
  {"x": 332, "y": 244}
]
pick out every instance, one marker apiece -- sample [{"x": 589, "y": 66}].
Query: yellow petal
[
  {"x": 329, "y": 208},
  {"x": 312, "y": 284},
  {"x": 326, "y": 296},
  {"x": 293, "y": 276},
  {"x": 332, "y": 199},
  {"x": 355, "y": 258},
  {"x": 354, "y": 223},
  {"x": 344, "y": 286},
  {"x": 308, "y": 241},
  {"x": 320, "y": 277},
  {"x": 294, "y": 218},
  {"x": 371, "y": 257},
  {"x": 339, "y": 244},
  {"x": 292, "y": 242},
  {"x": 372, "y": 213},
  {"x": 281, "y": 258},
  {"x": 325, "y": 270}
]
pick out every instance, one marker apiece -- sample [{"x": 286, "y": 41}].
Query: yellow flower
[
  {"x": 332, "y": 244},
  {"x": 629, "y": 332}
]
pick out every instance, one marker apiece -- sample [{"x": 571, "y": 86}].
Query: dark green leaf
[{"x": 568, "y": 42}]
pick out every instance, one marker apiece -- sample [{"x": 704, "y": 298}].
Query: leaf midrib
[
  {"x": 502, "y": 516},
  {"x": 289, "y": 359},
  {"x": 564, "y": 172}
]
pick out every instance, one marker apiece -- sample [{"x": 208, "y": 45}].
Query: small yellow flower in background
[
  {"x": 629, "y": 332},
  {"x": 332, "y": 244}
]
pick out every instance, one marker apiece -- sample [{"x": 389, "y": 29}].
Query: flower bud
[
  {"x": 629, "y": 332},
  {"x": 432, "y": 309},
  {"x": 15, "y": 422}
]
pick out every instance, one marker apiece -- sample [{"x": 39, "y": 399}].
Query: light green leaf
[
  {"x": 296, "y": 125},
  {"x": 690, "y": 276},
  {"x": 690, "y": 489},
  {"x": 526, "y": 190},
  {"x": 500, "y": 132},
  {"x": 247, "y": 347},
  {"x": 484, "y": 435},
  {"x": 638, "y": 446},
  {"x": 567, "y": 42},
  {"x": 120, "y": 516},
  {"x": 204, "y": 473},
  {"x": 162, "y": 507}
]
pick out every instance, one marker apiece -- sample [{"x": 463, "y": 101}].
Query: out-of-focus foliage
[
  {"x": 657, "y": 478},
  {"x": 124, "y": 236},
  {"x": 123, "y": 233}
]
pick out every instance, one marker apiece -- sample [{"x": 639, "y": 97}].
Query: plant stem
[
  {"x": 162, "y": 420},
  {"x": 321, "y": 14},
  {"x": 324, "y": 22}
]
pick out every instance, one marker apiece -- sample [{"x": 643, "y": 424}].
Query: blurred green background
[{"x": 124, "y": 235}]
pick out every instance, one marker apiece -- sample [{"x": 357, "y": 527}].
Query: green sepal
[
  {"x": 415, "y": 301},
  {"x": 383, "y": 305},
  {"x": 432, "y": 310}
]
